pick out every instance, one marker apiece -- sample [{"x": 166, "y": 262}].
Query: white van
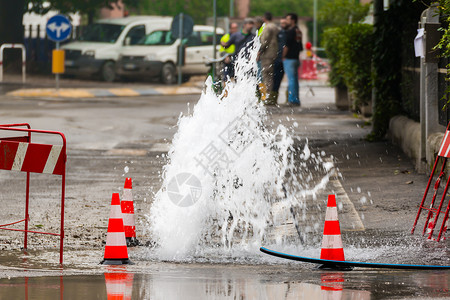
[
  {"x": 156, "y": 55},
  {"x": 98, "y": 48}
]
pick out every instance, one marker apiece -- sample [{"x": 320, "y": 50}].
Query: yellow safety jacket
[
  {"x": 230, "y": 49},
  {"x": 260, "y": 30}
]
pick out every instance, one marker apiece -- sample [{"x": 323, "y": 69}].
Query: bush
[
  {"x": 331, "y": 38},
  {"x": 350, "y": 50}
]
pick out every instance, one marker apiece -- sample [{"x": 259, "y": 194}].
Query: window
[
  {"x": 136, "y": 34},
  {"x": 192, "y": 40},
  {"x": 157, "y": 38},
  {"x": 98, "y": 32},
  {"x": 206, "y": 37}
]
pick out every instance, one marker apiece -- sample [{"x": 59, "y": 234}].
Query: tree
[
  {"x": 342, "y": 12},
  {"x": 84, "y": 7},
  {"x": 11, "y": 29},
  {"x": 281, "y": 7},
  {"x": 199, "y": 10}
]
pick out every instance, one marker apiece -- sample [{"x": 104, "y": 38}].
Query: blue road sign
[{"x": 58, "y": 28}]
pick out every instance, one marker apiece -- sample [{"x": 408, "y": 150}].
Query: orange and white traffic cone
[
  {"x": 332, "y": 248},
  {"x": 128, "y": 214},
  {"x": 116, "y": 252}
]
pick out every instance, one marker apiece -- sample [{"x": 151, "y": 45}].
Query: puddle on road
[
  {"x": 180, "y": 281},
  {"x": 37, "y": 275}
]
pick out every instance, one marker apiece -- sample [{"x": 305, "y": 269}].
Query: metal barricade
[
  {"x": 18, "y": 153},
  {"x": 432, "y": 212},
  {"x": 24, "y": 59}
]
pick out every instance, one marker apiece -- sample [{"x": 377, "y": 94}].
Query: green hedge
[
  {"x": 350, "y": 50},
  {"x": 331, "y": 38}
]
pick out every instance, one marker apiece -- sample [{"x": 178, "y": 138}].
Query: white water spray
[{"x": 226, "y": 168}]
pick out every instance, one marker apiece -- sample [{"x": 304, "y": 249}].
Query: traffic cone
[
  {"x": 332, "y": 248},
  {"x": 127, "y": 207},
  {"x": 116, "y": 252}
]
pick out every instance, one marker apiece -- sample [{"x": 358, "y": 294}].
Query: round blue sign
[{"x": 58, "y": 28}]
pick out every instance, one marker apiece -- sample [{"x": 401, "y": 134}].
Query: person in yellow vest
[
  {"x": 228, "y": 71},
  {"x": 259, "y": 26},
  {"x": 226, "y": 37}
]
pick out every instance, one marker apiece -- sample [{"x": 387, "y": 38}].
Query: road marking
[
  {"x": 352, "y": 221},
  {"x": 160, "y": 147},
  {"x": 349, "y": 218},
  {"x": 123, "y": 92}
]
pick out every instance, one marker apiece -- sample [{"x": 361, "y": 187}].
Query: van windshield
[
  {"x": 104, "y": 33},
  {"x": 157, "y": 38}
]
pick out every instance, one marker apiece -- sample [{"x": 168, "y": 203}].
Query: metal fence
[
  {"x": 444, "y": 113},
  {"x": 39, "y": 47},
  {"x": 410, "y": 86},
  {"x": 411, "y": 90}
]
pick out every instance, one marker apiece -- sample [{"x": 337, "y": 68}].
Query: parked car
[
  {"x": 156, "y": 55},
  {"x": 97, "y": 49}
]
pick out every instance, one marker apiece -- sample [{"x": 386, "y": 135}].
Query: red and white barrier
[
  {"x": 19, "y": 154},
  {"x": 308, "y": 70},
  {"x": 444, "y": 151},
  {"x": 433, "y": 213},
  {"x": 29, "y": 157}
]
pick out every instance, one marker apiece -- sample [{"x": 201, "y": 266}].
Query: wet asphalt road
[{"x": 107, "y": 135}]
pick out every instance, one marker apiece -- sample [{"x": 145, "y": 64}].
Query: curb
[
  {"x": 110, "y": 92},
  {"x": 406, "y": 133}
]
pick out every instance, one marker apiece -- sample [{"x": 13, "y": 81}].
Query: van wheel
[
  {"x": 168, "y": 73},
  {"x": 108, "y": 72}
]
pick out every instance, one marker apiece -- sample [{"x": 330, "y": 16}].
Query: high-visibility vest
[
  {"x": 230, "y": 49},
  {"x": 260, "y": 30}
]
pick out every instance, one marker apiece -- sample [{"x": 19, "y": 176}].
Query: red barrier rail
[
  {"x": 433, "y": 213},
  {"x": 19, "y": 154}
]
